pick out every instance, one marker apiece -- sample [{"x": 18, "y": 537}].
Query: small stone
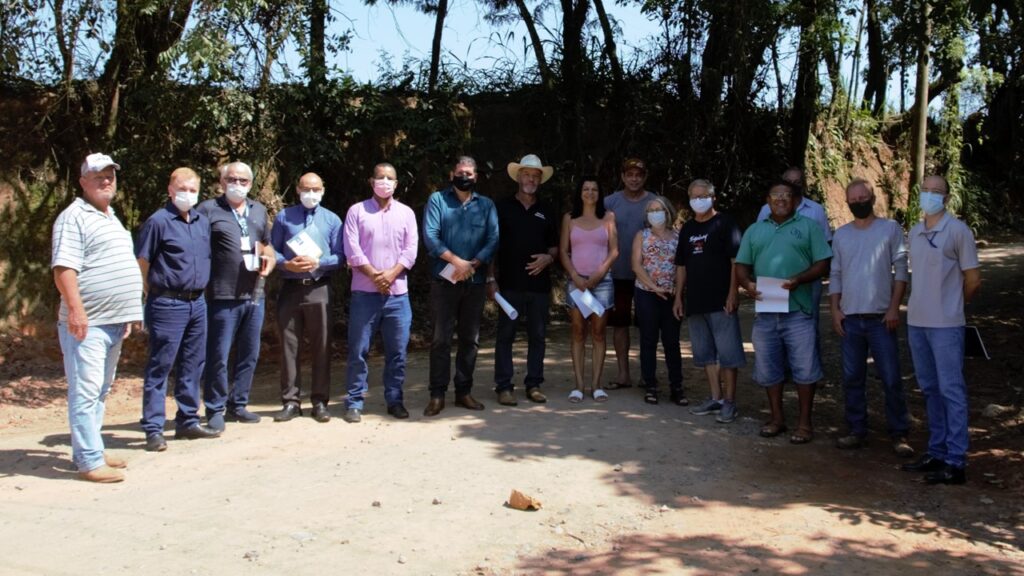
[
  {"x": 376, "y": 504},
  {"x": 345, "y": 541},
  {"x": 163, "y": 547},
  {"x": 617, "y": 468},
  {"x": 302, "y": 537},
  {"x": 559, "y": 530},
  {"x": 436, "y": 502},
  {"x": 251, "y": 556},
  {"x": 664, "y": 508},
  {"x": 986, "y": 500},
  {"x": 401, "y": 559},
  {"x": 918, "y": 514},
  {"x": 997, "y": 411}
]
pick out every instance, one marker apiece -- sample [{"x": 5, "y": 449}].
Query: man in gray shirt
[
  {"x": 869, "y": 260},
  {"x": 630, "y": 208}
]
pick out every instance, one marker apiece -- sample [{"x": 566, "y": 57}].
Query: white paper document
[
  {"x": 512, "y": 313},
  {"x": 252, "y": 259},
  {"x": 302, "y": 244},
  {"x": 774, "y": 298},
  {"x": 586, "y": 303},
  {"x": 448, "y": 273}
]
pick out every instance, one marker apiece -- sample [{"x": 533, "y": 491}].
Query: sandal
[
  {"x": 771, "y": 430},
  {"x": 679, "y": 399},
  {"x": 651, "y": 397},
  {"x": 576, "y": 396},
  {"x": 801, "y": 436},
  {"x": 600, "y": 395},
  {"x": 618, "y": 385}
]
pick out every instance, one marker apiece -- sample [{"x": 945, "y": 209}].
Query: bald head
[{"x": 310, "y": 182}]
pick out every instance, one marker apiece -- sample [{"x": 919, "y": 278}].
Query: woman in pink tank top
[{"x": 589, "y": 246}]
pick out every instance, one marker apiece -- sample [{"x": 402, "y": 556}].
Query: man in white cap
[
  {"x": 527, "y": 246},
  {"x": 94, "y": 267}
]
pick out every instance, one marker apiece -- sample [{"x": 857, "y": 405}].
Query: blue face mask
[{"x": 931, "y": 203}]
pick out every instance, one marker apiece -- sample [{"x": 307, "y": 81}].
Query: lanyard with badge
[{"x": 250, "y": 249}]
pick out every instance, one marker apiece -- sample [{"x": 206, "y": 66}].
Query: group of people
[{"x": 204, "y": 265}]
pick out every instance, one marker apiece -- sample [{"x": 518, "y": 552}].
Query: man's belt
[
  {"x": 867, "y": 316},
  {"x": 308, "y": 281},
  {"x": 187, "y": 295}
]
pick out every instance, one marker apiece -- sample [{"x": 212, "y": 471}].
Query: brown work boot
[
  {"x": 506, "y": 398},
  {"x": 114, "y": 461},
  {"x": 102, "y": 475}
]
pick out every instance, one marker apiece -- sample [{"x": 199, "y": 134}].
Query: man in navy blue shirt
[
  {"x": 242, "y": 259},
  {"x": 460, "y": 231},
  {"x": 174, "y": 255},
  {"x": 307, "y": 240}
]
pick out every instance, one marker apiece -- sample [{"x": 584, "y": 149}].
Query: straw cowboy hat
[{"x": 530, "y": 161}]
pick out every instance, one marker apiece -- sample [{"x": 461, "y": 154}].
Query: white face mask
[
  {"x": 236, "y": 192},
  {"x": 183, "y": 200},
  {"x": 311, "y": 199},
  {"x": 701, "y": 205},
  {"x": 657, "y": 219}
]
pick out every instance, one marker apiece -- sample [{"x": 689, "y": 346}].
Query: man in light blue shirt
[{"x": 303, "y": 305}]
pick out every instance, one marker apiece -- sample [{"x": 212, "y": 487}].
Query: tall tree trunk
[
  {"x": 609, "y": 42},
  {"x": 919, "y": 136},
  {"x": 574, "y": 17},
  {"x": 435, "y": 46},
  {"x": 805, "y": 100},
  {"x": 546, "y": 77},
  {"x": 878, "y": 69},
  {"x": 317, "y": 64}
]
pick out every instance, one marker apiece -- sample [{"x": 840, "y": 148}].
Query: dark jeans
[
  {"x": 304, "y": 310},
  {"x": 177, "y": 339},
  {"x": 370, "y": 312},
  {"x": 656, "y": 320},
  {"x": 237, "y": 322},
  {"x": 536, "y": 306},
  {"x": 454, "y": 308},
  {"x": 866, "y": 333}
]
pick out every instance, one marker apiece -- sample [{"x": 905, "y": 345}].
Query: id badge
[{"x": 246, "y": 244}]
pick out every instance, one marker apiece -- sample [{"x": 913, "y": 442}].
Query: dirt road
[{"x": 627, "y": 488}]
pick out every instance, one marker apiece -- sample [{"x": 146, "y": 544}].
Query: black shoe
[
  {"x": 216, "y": 421},
  {"x": 156, "y": 443},
  {"x": 398, "y": 411},
  {"x": 287, "y": 413},
  {"x": 242, "y": 415},
  {"x": 468, "y": 402},
  {"x": 353, "y": 416},
  {"x": 320, "y": 413},
  {"x": 947, "y": 475},
  {"x": 925, "y": 463},
  {"x": 679, "y": 398},
  {"x": 195, "y": 432}
]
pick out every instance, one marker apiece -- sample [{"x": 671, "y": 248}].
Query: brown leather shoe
[
  {"x": 535, "y": 395},
  {"x": 468, "y": 402},
  {"x": 507, "y": 398},
  {"x": 434, "y": 407},
  {"x": 114, "y": 461},
  {"x": 102, "y": 475}
]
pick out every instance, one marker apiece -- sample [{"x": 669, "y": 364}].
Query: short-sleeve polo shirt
[
  {"x": 178, "y": 251},
  {"x": 938, "y": 258},
  {"x": 229, "y": 278}
]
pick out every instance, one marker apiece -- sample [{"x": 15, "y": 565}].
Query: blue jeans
[
  {"x": 656, "y": 320},
  {"x": 237, "y": 322},
  {"x": 866, "y": 333},
  {"x": 715, "y": 339},
  {"x": 536, "y": 306},
  {"x": 369, "y": 311},
  {"x": 938, "y": 355},
  {"x": 89, "y": 366},
  {"x": 177, "y": 339},
  {"x": 781, "y": 338}
]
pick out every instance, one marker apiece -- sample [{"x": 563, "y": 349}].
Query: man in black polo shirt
[
  {"x": 527, "y": 246},
  {"x": 242, "y": 258}
]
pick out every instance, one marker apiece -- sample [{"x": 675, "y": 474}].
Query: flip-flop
[
  {"x": 651, "y": 398},
  {"x": 575, "y": 396},
  {"x": 600, "y": 395},
  {"x": 801, "y": 436},
  {"x": 618, "y": 385},
  {"x": 771, "y": 430}
]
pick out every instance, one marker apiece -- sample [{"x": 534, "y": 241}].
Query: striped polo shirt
[{"x": 97, "y": 246}]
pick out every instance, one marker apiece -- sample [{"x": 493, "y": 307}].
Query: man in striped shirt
[{"x": 100, "y": 285}]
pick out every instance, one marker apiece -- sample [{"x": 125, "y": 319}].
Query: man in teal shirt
[{"x": 792, "y": 248}]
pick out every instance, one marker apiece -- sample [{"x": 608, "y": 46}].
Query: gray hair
[
  {"x": 238, "y": 165},
  {"x": 670, "y": 212},
  {"x": 701, "y": 183},
  {"x": 465, "y": 161}
]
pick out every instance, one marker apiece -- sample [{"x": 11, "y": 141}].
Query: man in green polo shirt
[{"x": 788, "y": 247}]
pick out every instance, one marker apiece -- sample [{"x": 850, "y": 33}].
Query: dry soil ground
[{"x": 627, "y": 488}]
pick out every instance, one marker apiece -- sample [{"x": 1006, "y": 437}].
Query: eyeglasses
[
  {"x": 234, "y": 180},
  {"x": 780, "y": 195},
  {"x": 313, "y": 190},
  {"x": 939, "y": 192},
  {"x": 703, "y": 197}
]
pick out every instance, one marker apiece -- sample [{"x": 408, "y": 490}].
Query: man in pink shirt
[{"x": 381, "y": 239}]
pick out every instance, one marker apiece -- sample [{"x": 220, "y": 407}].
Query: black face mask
[
  {"x": 861, "y": 209},
  {"x": 464, "y": 183}
]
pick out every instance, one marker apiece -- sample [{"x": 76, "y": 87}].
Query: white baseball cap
[{"x": 98, "y": 161}]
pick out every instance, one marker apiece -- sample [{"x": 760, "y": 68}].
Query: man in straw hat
[{"x": 527, "y": 247}]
